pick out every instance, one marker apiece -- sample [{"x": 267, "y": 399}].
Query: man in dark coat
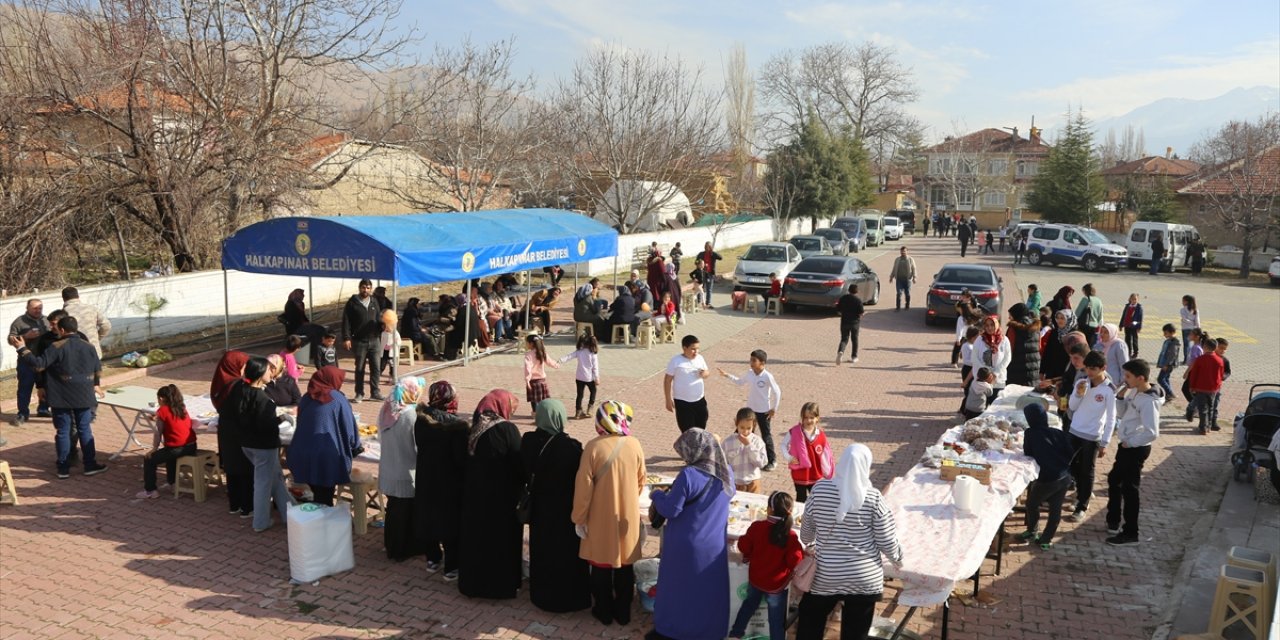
[
  {"x": 851, "y": 310},
  {"x": 965, "y": 234},
  {"x": 1051, "y": 449},
  {"x": 361, "y": 329},
  {"x": 72, "y": 375},
  {"x": 1024, "y": 337},
  {"x": 1157, "y": 251},
  {"x": 622, "y": 311}
]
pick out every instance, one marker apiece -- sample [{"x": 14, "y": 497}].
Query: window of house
[
  {"x": 937, "y": 195},
  {"x": 997, "y": 167},
  {"x": 968, "y": 167},
  {"x": 942, "y": 165},
  {"x": 964, "y": 196},
  {"x": 993, "y": 199},
  {"x": 1023, "y": 196},
  {"x": 1027, "y": 168}
]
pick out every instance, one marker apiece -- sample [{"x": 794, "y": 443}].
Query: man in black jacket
[
  {"x": 361, "y": 329},
  {"x": 851, "y": 310},
  {"x": 965, "y": 234},
  {"x": 72, "y": 375}
]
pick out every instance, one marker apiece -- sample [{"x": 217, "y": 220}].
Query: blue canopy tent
[{"x": 416, "y": 249}]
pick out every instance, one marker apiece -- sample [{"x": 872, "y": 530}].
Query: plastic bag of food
[{"x": 158, "y": 356}]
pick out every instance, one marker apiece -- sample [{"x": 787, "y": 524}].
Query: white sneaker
[{"x": 855, "y": 360}]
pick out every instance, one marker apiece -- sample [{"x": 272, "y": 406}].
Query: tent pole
[
  {"x": 311, "y": 301},
  {"x": 226, "y": 314},
  {"x": 395, "y": 362},
  {"x": 615, "y": 274},
  {"x": 466, "y": 324},
  {"x": 528, "y": 301}
]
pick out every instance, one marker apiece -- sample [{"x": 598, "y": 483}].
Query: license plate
[{"x": 955, "y": 297}]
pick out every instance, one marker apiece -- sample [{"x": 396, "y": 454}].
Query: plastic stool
[
  {"x": 689, "y": 303},
  {"x": 621, "y": 333},
  {"x": 580, "y": 328},
  {"x": 1237, "y": 584},
  {"x": 362, "y": 495},
  {"x": 667, "y": 332},
  {"x": 8, "y": 490},
  {"x": 1258, "y": 560},
  {"x": 646, "y": 335},
  {"x": 406, "y": 353},
  {"x": 751, "y": 305},
  {"x": 774, "y": 306},
  {"x": 196, "y": 473}
]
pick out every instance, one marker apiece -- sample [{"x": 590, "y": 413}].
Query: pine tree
[{"x": 1067, "y": 187}]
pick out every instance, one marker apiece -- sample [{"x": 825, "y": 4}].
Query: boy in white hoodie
[
  {"x": 1093, "y": 408},
  {"x": 1139, "y": 408}
]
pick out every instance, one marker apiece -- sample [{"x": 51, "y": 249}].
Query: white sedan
[
  {"x": 892, "y": 228},
  {"x": 1274, "y": 271}
]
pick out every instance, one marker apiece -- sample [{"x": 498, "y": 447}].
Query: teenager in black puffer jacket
[{"x": 1024, "y": 336}]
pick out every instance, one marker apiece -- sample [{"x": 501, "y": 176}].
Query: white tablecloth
[
  {"x": 940, "y": 545},
  {"x": 744, "y": 508}
]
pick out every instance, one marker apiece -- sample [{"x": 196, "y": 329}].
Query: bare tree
[
  {"x": 474, "y": 122},
  {"x": 860, "y": 89},
  {"x": 630, "y": 118},
  {"x": 740, "y": 100},
  {"x": 1239, "y": 182},
  {"x": 1131, "y": 146},
  {"x": 187, "y": 118}
]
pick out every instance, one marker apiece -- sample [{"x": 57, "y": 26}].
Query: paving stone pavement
[{"x": 83, "y": 558}]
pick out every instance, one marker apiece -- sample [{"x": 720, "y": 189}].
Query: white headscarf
[{"x": 853, "y": 479}]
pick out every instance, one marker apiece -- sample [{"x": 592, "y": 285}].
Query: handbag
[
  {"x": 524, "y": 506},
  {"x": 802, "y": 577},
  {"x": 656, "y": 520}
]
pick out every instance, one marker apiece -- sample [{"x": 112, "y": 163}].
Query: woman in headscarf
[
  {"x": 259, "y": 429},
  {"x": 606, "y": 511},
  {"x": 1024, "y": 337},
  {"x": 396, "y": 466},
  {"x": 411, "y": 323},
  {"x": 295, "y": 312},
  {"x": 326, "y": 439},
  {"x": 672, "y": 286},
  {"x": 442, "y": 456},
  {"x": 656, "y": 274},
  {"x": 693, "y": 579},
  {"x": 1054, "y": 360},
  {"x": 229, "y": 374},
  {"x": 230, "y": 369},
  {"x": 993, "y": 351},
  {"x": 558, "y": 579},
  {"x": 1062, "y": 299},
  {"x": 851, "y": 527},
  {"x": 1112, "y": 345},
  {"x": 283, "y": 388},
  {"x": 489, "y": 551}
]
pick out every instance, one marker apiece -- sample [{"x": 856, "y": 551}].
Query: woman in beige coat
[{"x": 606, "y": 511}]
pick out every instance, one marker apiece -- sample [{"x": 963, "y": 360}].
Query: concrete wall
[
  {"x": 195, "y": 300},
  {"x": 1259, "y": 261}
]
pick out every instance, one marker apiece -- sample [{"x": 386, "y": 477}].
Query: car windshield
[
  {"x": 1094, "y": 237},
  {"x": 890, "y": 222},
  {"x": 966, "y": 276},
  {"x": 830, "y": 234},
  {"x": 820, "y": 265},
  {"x": 872, "y": 223},
  {"x": 766, "y": 254},
  {"x": 806, "y": 244}
]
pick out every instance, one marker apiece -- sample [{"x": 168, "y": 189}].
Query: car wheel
[
  {"x": 1090, "y": 263},
  {"x": 1035, "y": 257}
]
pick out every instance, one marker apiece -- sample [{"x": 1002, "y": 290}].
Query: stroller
[{"x": 1257, "y": 435}]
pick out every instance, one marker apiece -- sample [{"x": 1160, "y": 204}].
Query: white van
[{"x": 1177, "y": 237}]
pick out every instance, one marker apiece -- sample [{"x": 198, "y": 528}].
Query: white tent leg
[
  {"x": 395, "y": 361},
  {"x": 226, "y": 314},
  {"x": 466, "y": 324}
]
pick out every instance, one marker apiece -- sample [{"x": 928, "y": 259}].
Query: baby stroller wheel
[{"x": 1242, "y": 467}]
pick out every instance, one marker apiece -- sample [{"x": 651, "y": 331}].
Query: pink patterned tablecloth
[{"x": 940, "y": 545}]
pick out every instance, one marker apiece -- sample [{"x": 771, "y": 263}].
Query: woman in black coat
[
  {"x": 559, "y": 581},
  {"x": 1054, "y": 360},
  {"x": 1024, "y": 337},
  {"x": 442, "y": 455},
  {"x": 489, "y": 551},
  {"x": 295, "y": 312}
]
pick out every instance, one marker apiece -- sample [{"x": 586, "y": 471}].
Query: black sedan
[
  {"x": 821, "y": 280},
  {"x": 980, "y": 280}
]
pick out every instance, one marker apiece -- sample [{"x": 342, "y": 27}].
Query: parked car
[
  {"x": 855, "y": 228},
  {"x": 836, "y": 238},
  {"x": 1177, "y": 239},
  {"x": 811, "y": 246},
  {"x": 1274, "y": 271},
  {"x": 821, "y": 280},
  {"x": 760, "y": 260},
  {"x": 892, "y": 228},
  {"x": 875, "y": 228},
  {"x": 908, "y": 218},
  {"x": 1071, "y": 244},
  {"x": 981, "y": 281}
]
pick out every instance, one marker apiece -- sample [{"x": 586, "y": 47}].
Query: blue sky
[{"x": 977, "y": 64}]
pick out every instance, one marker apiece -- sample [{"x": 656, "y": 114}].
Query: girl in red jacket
[
  {"x": 772, "y": 551},
  {"x": 806, "y": 452}
]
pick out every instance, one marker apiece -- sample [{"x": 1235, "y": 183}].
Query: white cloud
[{"x": 1185, "y": 76}]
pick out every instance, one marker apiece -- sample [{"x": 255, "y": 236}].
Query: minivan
[
  {"x": 1177, "y": 238},
  {"x": 1071, "y": 244},
  {"x": 874, "y": 222},
  {"x": 855, "y": 228}
]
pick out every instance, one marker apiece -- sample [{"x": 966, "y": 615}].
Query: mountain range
[{"x": 1180, "y": 123}]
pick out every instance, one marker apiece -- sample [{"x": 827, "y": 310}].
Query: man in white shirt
[
  {"x": 683, "y": 386},
  {"x": 1139, "y": 408},
  {"x": 1093, "y": 406},
  {"x": 763, "y": 396}
]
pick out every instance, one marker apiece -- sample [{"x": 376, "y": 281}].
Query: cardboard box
[{"x": 951, "y": 469}]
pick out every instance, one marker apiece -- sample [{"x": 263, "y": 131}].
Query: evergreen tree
[
  {"x": 1067, "y": 187},
  {"x": 1151, "y": 199},
  {"x": 820, "y": 175}
]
